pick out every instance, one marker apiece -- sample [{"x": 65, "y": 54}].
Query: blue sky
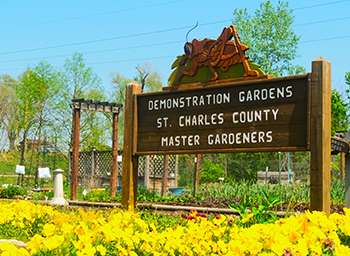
[{"x": 118, "y": 35}]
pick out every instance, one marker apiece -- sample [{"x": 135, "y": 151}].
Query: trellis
[{"x": 96, "y": 165}]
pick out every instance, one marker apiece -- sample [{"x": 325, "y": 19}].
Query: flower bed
[{"x": 52, "y": 232}]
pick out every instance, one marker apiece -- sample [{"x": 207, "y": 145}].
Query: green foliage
[
  {"x": 295, "y": 192},
  {"x": 347, "y": 81},
  {"x": 25, "y": 233},
  {"x": 272, "y": 42},
  {"x": 211, "y": 172},
  {"x": 43, "y": 196},
  {"x": 186, "y": 166},
  {"x": 80, "y": 81},
  {"x": 203, "y": 73},
  {"x": 12, "y": 231},
  {"x": 9, "y": 160},
  {"x": 251, "y": 214},
  {"x": 338, "y": 191},
  {"x": 99, "y": 196},
  {"x": 147, "y": 76},
  {"x": 11, "y": 192},
  {"x": 340, "y": 117},
  {"x": 344, "y": 239},
  {"x": 243, "y": 166},
  {"x": 8, "y": 112},
  {"x": 161, "y": 221}
]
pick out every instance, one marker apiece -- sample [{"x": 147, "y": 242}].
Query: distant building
[{"x": 38, "y": 145}]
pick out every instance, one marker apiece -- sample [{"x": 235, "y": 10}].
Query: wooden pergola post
[
  {"x": 165, "y": 174},
  {"x": 320, "y": 137},
  {"x": 130, "y": 160},
  {"x": 76, "y": 132},
  {"x": 114, "y": 165}
]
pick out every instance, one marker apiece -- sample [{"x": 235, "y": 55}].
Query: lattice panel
[
  {"x": 157, "y": 164},
  {"x": 102, "y": 162},
  {"x": 120, "y": 168},
  {"x": 84, "y": 163},
  {"x": 142, "y": 165},
  {"x": 172, "y": 164}
]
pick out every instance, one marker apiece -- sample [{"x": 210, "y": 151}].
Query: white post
[{"x": 58, "y": 198}]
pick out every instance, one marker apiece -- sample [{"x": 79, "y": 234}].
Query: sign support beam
[
  {"x": 130, "y": 161},
  {"x": 320, "y": 140}
]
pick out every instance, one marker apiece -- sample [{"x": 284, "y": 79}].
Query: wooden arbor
[{"x": 83, "y": 104}]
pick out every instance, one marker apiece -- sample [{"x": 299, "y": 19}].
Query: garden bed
[{"x": 207, "y": 205}]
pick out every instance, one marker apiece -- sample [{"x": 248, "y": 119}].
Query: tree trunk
[
  {"x": 24, "y": 145},
  {"x": 12, "y": 140}
]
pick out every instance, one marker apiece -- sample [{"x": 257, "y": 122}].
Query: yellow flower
[
  {"x": 54, "y": 242},
  {"x": 244, "y": 220},
  {"x": 35, "y": 243},
  {"x": 7, "y": 247},
  {"x": 88, "y": 250},
  {"x": 78, "y": 245},
  {"x": 66, "y": 228},
  {"x": 100, "y": 248},
  {"x": 49, "y": 229}
]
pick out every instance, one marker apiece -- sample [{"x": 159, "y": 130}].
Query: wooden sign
[
  {"x": 254, "y": 116},
  {"x": 339, "y": 145}
]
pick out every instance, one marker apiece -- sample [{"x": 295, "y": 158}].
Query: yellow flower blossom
[
  {"x": 100, "y": 248},
  {"x": 93, "y": 232},
  {"x": 49, "y": 229},
  {"x": 244, "y": 220},
  {"x": 54, "y": 242}
]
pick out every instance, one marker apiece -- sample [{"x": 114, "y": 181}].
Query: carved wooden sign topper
[{"x": 215, "y": 54}]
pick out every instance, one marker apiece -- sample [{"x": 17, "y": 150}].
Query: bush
[
  {"x": 211, "y": 172},
  {"x": 10, "y": 192}
]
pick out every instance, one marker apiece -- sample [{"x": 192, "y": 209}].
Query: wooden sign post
[
  {"x": 320, "y": 170},
  {"x": 130, "y": 161}
]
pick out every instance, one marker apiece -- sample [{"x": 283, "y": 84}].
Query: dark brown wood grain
[{"x": 277, "y": 108}]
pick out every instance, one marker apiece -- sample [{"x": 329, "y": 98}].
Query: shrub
[
  {"x": 211, "y": 172},
  {"x": 10, "y": 192}
]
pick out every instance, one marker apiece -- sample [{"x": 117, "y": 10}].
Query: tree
[
  {"x": 79, "y": 81},
  {"x": 28, "y": 94},
  {"x": 8, "y": 111},
  {"x": 340, "y": 117},
  {"x": 272, "y": 42},
  {"x": 119, "y": 84},
  {"x": 147, "y": 76}
]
